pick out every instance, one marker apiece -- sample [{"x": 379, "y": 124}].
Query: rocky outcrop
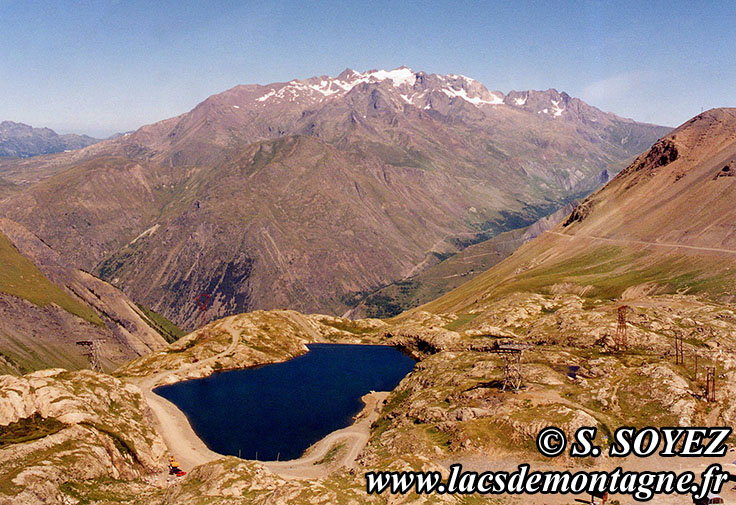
[
  {"x": 102, "y": 430},
  {"x": 579, "y": 213},
  {"x": 255, "y": 338}
]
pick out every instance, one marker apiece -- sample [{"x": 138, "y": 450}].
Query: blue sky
[{"x": 100, "y": 67}]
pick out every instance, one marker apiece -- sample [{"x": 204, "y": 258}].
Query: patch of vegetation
[
  {"x": 609, "y": 270},
  {"x": 331, "y": 455},
  {"x": 382, "y": 306},
  {"x": 191, "y": 343},
  {"x": 382, "y": 423},
  {"x": 120, "y": 443},
  {"x": 20, "y": 277},
  {"x": 104, "y": 490},
  {"x": 348, "y": 325},
  {"x": 108, "y": 268},
  {"x": 29, "y": 428},
  {"x": 462, "y": 320},
  {"x": 163, "y": 326},
  {"x": 10, "y": 365}
]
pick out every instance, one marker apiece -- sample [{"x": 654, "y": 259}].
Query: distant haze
[{"x": 105, "y": 66}]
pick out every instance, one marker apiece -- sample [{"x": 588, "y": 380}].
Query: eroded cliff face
[{"x": 58, "y": 427}]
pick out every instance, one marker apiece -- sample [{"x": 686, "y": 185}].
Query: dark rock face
[
  {"x": 23, "y": 141},
  {"x": 662, "y": 153},
  {"x": 726, "y": 171},
  {"x": 579, "y": 213}
]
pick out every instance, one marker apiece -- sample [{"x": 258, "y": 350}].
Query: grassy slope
[
  {"x": 603, "y": 270},
  {"x": 20, "y": 277},
  {"x": 163, "y": 326}
]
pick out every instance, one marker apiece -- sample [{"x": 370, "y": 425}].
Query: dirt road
[
  {"x": 354, "y": 436},
  {"x": 641, "y": 242},
  {"x": 171, "y": 422}
]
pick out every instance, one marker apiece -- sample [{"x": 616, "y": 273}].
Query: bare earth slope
[
  {"x": 47, "y": 306},
  {"x": 308, "y": 194}
]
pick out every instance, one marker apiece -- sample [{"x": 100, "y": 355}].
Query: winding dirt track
[
  {"x": 190, "y": 451},
  {"x": 171, "y": 422},
  {"x": 641, "y": 242},
  {"x": 355, "y": 437}
]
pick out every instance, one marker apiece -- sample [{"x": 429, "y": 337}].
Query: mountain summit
[
  {"x": 424, "y": 91},
  {"x": 309, "y": 194}
]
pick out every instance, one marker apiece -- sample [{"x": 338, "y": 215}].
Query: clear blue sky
[{"x": 100, "y": 67}]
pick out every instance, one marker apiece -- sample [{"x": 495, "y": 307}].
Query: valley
[
  {"x": 311, "y": 194},
  {"x": 47, "y": 306},
  {"x": 372, "y": 199}
]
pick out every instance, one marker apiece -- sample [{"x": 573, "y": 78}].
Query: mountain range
[
  {"x": 312, "y": 194},
  {"x": 23, "y": 141},
  {"x": 658, "y": 238}
]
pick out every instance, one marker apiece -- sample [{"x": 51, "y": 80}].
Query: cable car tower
[
  {"x": 511, "y": 354},
  {"x": 92, "y": 349}
]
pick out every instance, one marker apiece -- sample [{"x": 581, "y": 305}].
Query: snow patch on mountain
[
  {"x": 399, "y": 76},
  {"x": 402, "y": 78},
  {"x": 557, "y": 109},
  {"x": 267, "y": 96},
  {"x": 476, "y": 100}
]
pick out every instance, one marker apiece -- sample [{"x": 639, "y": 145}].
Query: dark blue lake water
[{"x": 280, "y": 410}]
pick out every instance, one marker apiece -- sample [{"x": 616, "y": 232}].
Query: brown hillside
[
  {"x": 309, "y": 194},
  {"x": 665, "y": 224}
]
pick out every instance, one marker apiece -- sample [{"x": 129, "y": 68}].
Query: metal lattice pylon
[
  {"x": 511, "y": 354},
  {"x": 92, "y": 349},
  {"x": 620, "y": 340},
  {"x": 679, "y": 352}
]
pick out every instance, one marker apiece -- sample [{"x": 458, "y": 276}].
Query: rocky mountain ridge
[
  {"x": 310, "y": 194},
  {"x": 661, "y": 226},
  {"x": 23, "y": 141}
]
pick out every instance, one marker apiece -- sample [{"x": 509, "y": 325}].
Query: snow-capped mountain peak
[
  {"x": 403, "y": 87},
  {"x": 414, "y": 88}
]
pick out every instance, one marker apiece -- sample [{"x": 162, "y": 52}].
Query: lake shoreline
[
  {"x": 191, "y": 451},
  {"x": 278, "y": 411}
]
